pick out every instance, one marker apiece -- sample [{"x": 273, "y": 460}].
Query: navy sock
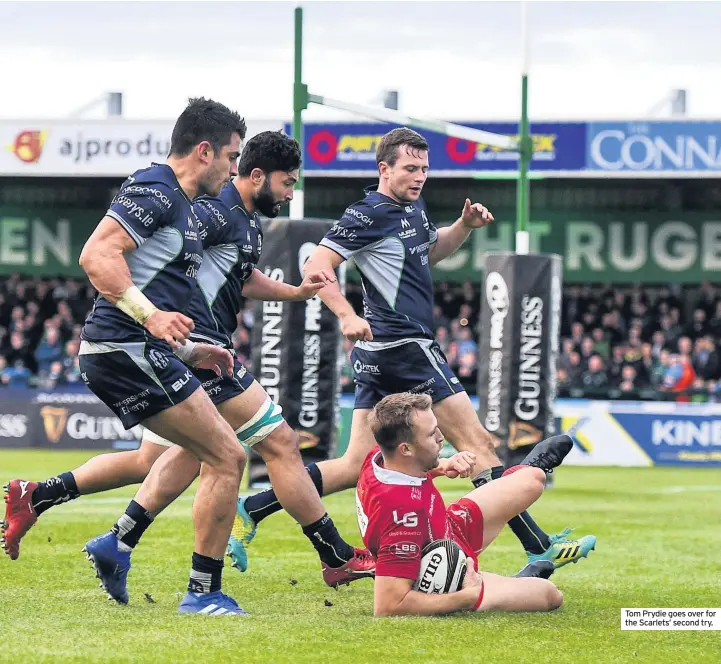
[
  {"x": 131, "y": 526},
  {"x": 265, "y": 503},
  {"x": 56, "y": 490},
  {"x": 332, "y": 549},
  {"x": 205, "y": 574},
  {"x": 530, "y": 534}
]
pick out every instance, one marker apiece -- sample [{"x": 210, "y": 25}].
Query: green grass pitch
[{"x": 659, "y": 545}]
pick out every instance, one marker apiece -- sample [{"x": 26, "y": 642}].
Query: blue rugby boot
[
  {"x": 111, "y": 566},
  {"x": 563, "y": 550},
  {"x": 244, "y": 529},
  {"x": 210, "y": 604}
]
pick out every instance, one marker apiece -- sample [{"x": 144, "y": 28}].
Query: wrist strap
[
  {"x": 136, "y": 305},
  {"x": 184, "y": 352}
]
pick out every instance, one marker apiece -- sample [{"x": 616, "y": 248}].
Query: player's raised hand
[
  {"x": 460, "y": 465},
  {"x": 355, "y": 328},
  {"x": 313, "y": 282},
  {"x": 475, "y": 215},
  {"x": 169, "y": 326},
  {"x": 210, "y": 356}
]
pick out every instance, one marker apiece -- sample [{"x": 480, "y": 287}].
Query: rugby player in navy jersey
[
  {"x": 394, "y": 243},
  {"x": 143, "y": 259},
  {"x": 267, "y": 173}
]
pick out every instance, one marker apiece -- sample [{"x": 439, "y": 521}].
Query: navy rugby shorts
[
  {"x": 418, "y": 366},
  {"x": 136, "y": 380}
]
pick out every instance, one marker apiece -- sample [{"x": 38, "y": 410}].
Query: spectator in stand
[
  {"x": 17, "y": 318},
  {"x": 575, "y": 370},
  {"x": 676, "y": 327},
  {"x": 600, "y": 343},
  {"x": 439, "y": 318},
  {"x": 16, "y": 375},
  {"x": 613, "y": 373},
  {"x": 53, "y": 377},
  {"x": 18, "y": 352},
  {"x": 679, "y": 375},
  {"x": 628, "y": 379},
  {"x": 577, "y": 335},
  {"x": 587, "y": 350},
  {"x": 467, "y": 316},
  {"x": 49, "y": 350},
  {"x": 708, "y": 299},
  {"x": 595, "y": 377},
  {"x": 466, "y": 343},
  {"x": 698, "y": 326},
  {"x": 468, "y": 369},
  {"x": 589, "y": 320},
  {"x": 706, "y": 359},
  {"x": 647, "y": 365},
  {"x": 685, "y": 348},
  {"x": 612, "y": 324},
  {"x": 659, "y": 342}
]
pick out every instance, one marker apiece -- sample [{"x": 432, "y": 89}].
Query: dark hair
[
  {"x": 205, "y": 120},
  {"x": 269, "y": 151},
  {"x": 390, "y": 420},
  {"x": 387, "y": 149}
]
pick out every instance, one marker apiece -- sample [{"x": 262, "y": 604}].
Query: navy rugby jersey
[
  {"x": 389, "y": 242},
  {"x": 232, "y": 250},
  {"x": 156, "y": 213}
]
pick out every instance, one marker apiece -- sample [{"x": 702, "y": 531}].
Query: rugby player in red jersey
[{"x": 400, "y": 511}]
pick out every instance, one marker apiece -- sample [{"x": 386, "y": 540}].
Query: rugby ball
[{"x": 443, "y": 568}]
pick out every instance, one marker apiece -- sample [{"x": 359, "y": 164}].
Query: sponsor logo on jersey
[
  {"x": 158, "y": 359},
  {"x": 359, "y": 367}
]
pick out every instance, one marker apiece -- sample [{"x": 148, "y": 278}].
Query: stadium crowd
[{"x": 626, "y": 342}]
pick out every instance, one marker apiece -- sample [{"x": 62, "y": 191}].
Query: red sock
[{"x": 512, "y": 469}]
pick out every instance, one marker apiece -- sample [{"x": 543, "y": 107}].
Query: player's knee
[
  {"x": 229, "y": 457},
  {"x": 537, "y": 480},
  {"x": 280, "y": 444},
  {"x": 146, "y": 457},
  {"x": 239, "y": 456}
]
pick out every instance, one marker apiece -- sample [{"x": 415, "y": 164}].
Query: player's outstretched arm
[
  {"x": 260, "y": 287},
  {"x": 103, "y": 260},
  {"x": 352, "y": 326},
  {"x": 393, "y": 596},
  {"x": 450, "y": 238}
]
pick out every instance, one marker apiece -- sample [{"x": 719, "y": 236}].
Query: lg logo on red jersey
[{"x": 409, "y": 520}]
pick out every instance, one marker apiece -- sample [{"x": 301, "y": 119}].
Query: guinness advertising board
[
  {"x": 62, "y": 420},
  {"x": 518, "y": 349}
]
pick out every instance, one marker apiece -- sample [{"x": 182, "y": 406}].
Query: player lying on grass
[
  {"x": 393, "y": 241},
  {"x": 400, "y": 511}
]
